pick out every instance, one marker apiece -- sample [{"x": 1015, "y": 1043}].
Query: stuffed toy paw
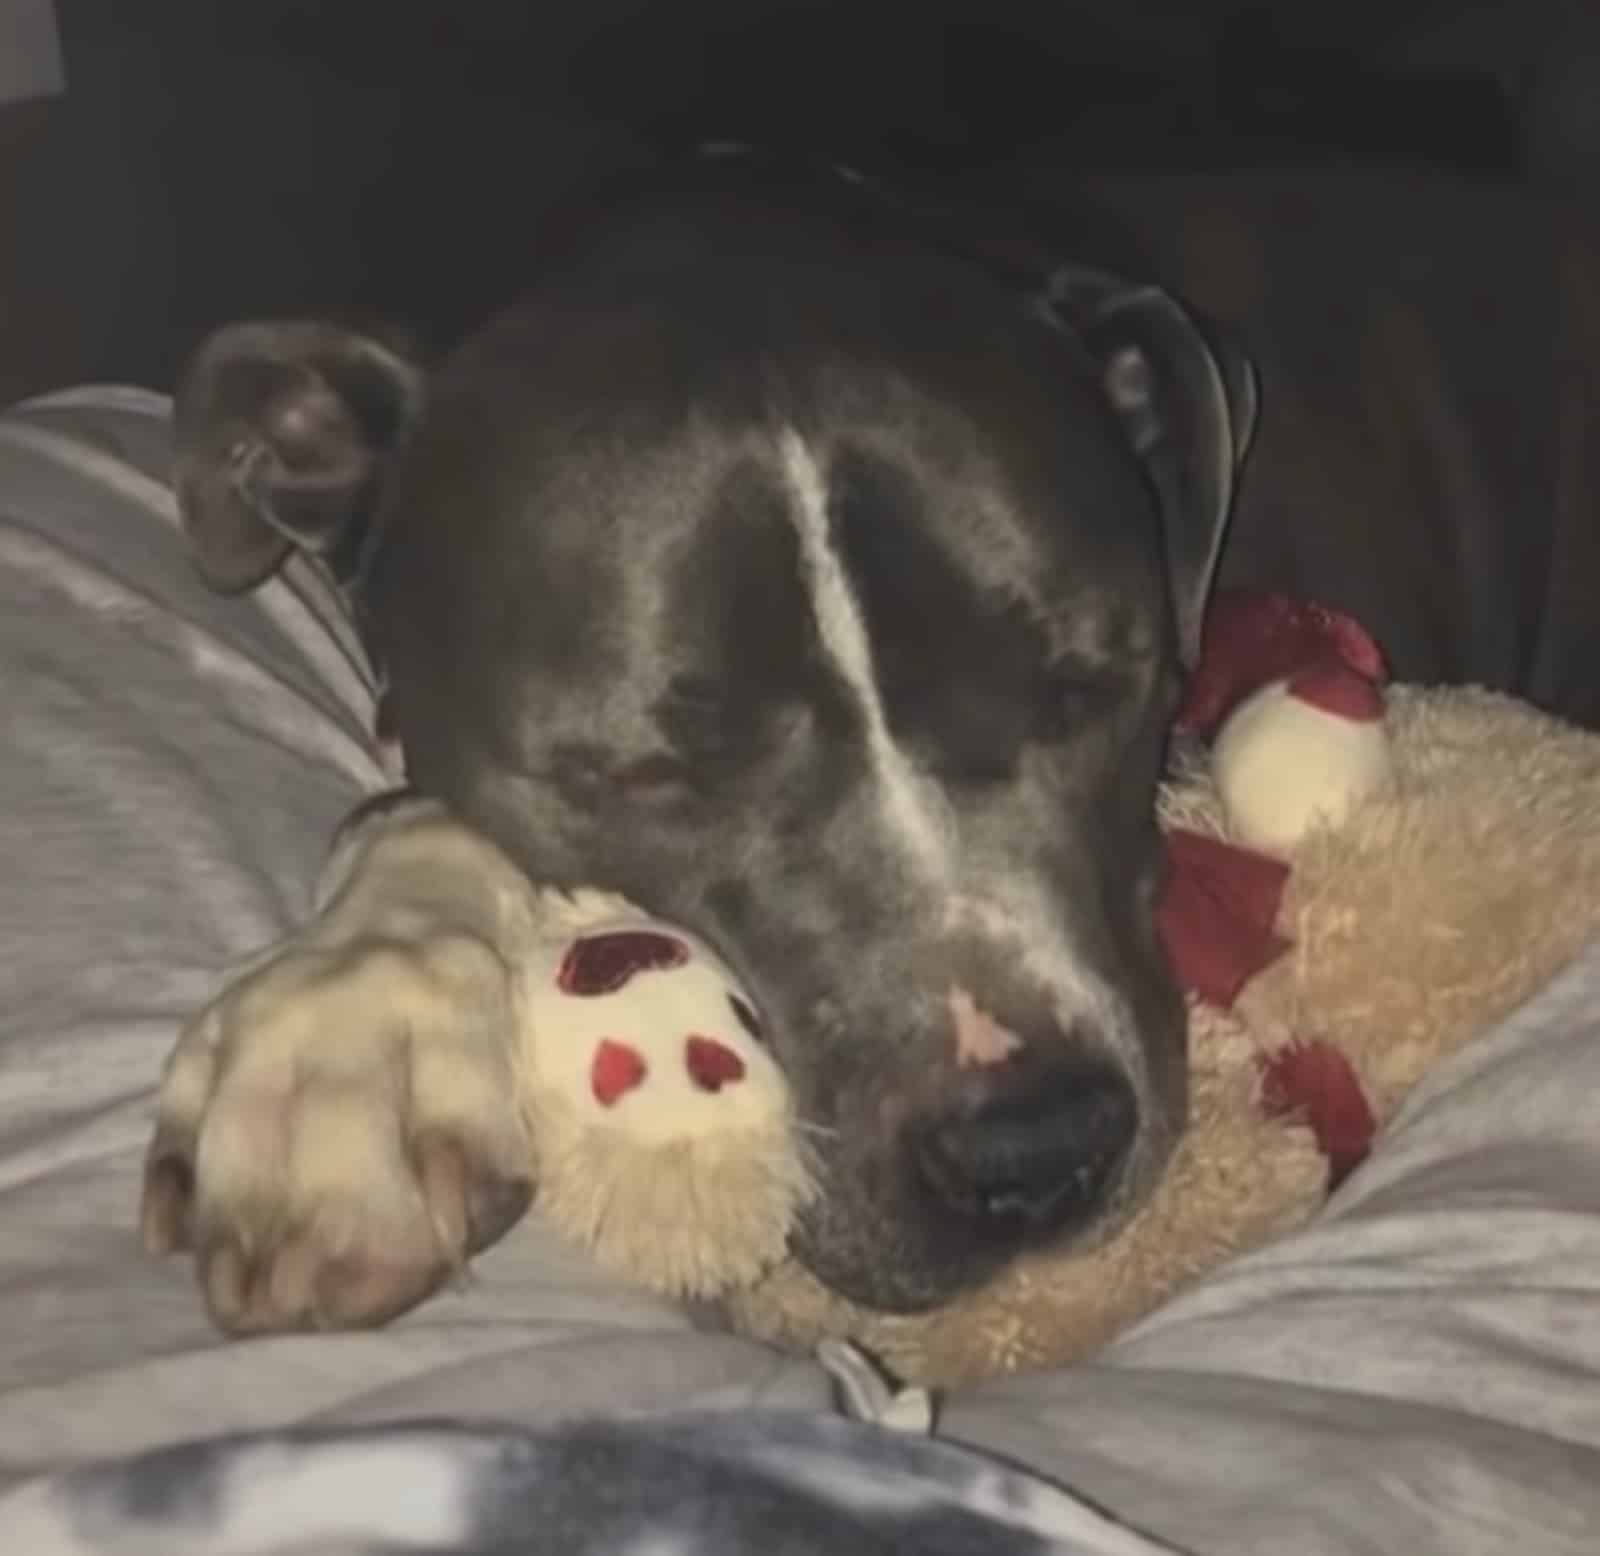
[{"x": 664, "y": 1137}]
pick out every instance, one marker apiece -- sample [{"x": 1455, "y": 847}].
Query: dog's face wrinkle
[{"x": 660, "y": 716}]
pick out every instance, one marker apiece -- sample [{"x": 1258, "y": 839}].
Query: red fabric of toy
[
  {"x": 1252, "y": 638},
  {"x": 1315, "y": 1083},
  {"x": 1217, "y": 912}
]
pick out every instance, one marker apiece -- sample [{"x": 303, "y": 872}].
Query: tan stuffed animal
[{"x": 1453, "y": 885}]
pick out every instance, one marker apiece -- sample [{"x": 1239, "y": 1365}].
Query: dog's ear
[
  {"x": 283, "y": 430},
  {"x": 1187, "y": 397}
]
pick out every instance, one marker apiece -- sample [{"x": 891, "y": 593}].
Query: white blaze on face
[
  {"x": 1011, "y": 912},
  {"x": 911, "y": 806}
]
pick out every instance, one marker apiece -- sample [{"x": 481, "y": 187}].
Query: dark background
[{"x": 259, "y": 156}]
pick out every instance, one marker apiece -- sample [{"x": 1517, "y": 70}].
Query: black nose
[{"x": 1040, "y": 1159}]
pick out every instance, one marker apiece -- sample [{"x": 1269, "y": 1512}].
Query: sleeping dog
[{"x": 813, "y": 579}]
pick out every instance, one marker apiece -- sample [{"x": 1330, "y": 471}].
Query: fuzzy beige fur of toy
[{"x": 1433, "y": 910}]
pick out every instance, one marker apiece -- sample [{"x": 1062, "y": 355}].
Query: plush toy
[
  {"x": 664, "y": 1135},
  {"x": 1419, "y": 861}
]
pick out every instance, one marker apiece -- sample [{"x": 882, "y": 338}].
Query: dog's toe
[
  {"x": 494, "y": 1207},
  {"x": 358, "y": 1292},
  {"x": 309, "y": 1281},
  {"x": 229, "y": 1278},
  {"x": 166, "y": 1202},
  {"x": 471, "y": 1202}
]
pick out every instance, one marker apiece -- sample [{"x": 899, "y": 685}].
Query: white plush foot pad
[{"x": 665, "y": 1138}]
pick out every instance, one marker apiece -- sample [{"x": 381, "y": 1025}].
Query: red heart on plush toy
[
  {"x": 712, "y": 1065},
  {"x": 602, "y": 964},
  {"x": 615, "y": 1071}
]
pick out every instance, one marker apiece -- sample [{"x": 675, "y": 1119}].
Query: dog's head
[{"x": 818, "y": 589}]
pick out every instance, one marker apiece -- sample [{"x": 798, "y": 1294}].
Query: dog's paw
[{"x": 341, "y": 1130}]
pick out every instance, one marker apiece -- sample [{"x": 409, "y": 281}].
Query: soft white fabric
[{"x": 1418, "y": 1372}]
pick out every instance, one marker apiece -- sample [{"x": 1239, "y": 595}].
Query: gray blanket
[{"x": 696, "y": 1485}]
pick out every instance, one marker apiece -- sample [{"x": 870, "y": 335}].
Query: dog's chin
[
  {"x": 906, "y": 1287},
  {"x": 899, "y": 1287},
  {"x": 904, "y": 1266}
]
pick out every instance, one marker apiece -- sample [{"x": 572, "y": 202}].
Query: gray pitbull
[{"x": 811, "y": 583}]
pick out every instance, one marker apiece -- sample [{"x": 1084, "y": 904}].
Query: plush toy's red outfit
[{"x": 1219, "y": 908}]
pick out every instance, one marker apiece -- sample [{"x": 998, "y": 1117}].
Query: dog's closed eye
[
  {"x": 660, "y": 773},
  {"x": 585, "y": 775},
  {"x": 1078, "y": 693}
]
